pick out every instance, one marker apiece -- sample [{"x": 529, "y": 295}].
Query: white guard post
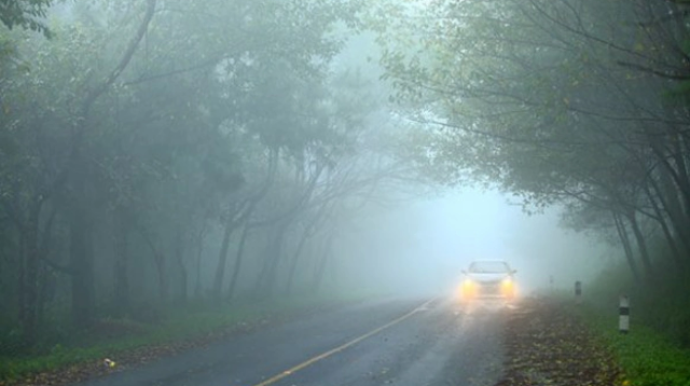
[{"x": 624, "y": 314}]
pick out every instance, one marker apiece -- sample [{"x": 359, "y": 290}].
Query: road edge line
[{"x": 342, "y": 347}]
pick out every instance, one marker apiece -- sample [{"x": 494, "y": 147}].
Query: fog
[
  {"x": 422, "y": 246},
  {"x": 163, "y": 153}
]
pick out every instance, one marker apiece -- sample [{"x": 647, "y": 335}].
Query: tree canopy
[
  {"x": 148, "y": 141},
  {"x": 577, "y": 103}
]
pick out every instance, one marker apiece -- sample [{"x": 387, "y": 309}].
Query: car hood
[{"x": 487, "y": 277}]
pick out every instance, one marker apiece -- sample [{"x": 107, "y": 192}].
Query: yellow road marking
[{"x": 340, "y": 348}]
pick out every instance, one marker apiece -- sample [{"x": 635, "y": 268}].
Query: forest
[{"x": 155, "y": 153}]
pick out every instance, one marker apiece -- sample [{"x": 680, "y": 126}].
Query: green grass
[
  {"x": 657, "y": 349},
  {"x": 15, "y": 368},
  {"x": 180, "y": 324},
  {"x": 647, "y": 357}
]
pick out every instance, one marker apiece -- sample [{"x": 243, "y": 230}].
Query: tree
[
  {"x": 549, "y": 100},
  {"x": 143, "y": 135}
]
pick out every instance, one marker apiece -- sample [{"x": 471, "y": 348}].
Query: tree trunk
[
  {"x": 182, "y": 294},
  {"x": 272, "y": 267},
  {"x": 46, "y": 278},
  {"x": 222, "y": 259},
  {"x": 295, "y": 260},
  {"x": 273, "y": 259},
  {"x": 238, "y": 263},
  {"x": 625, "y": 240},
  {"x": 641, "y": 245},
  {"x": 683, "y": 176},
  {"x": 46, "y": 288},
  {"x": 197, "y": 266},
  {"x": 182, "y": 269},
  {"x": 81, "y": 237},
  {"x": 258, "y": 284},
  {"x": 21, "y": 277},
  {"x": 198, "y": 290},
  {"x": 160, "y": 263},
  {"x": 321, "y": 266},
  {"x": 308, "y": 232},
  {"x": 675, "y": 252},
  {"x": 81, "y": 242},
  {"x": 161, "y": 269},
  {"x": 261, "y": 285},
  {"x": 31, "y": 273},
  {"x": 669, "y": 201},
  {"x": 679, "y": 177},
  {"x": 121, "y": 301},
  {"x": 81, "y": 265},
  {"x": 162, "y": 277}
]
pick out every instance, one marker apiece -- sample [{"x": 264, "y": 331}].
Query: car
[{"x": 488, "y": 279}]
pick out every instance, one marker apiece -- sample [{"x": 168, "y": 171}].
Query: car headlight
[
  {"x": 507, "y": 287},
  {"x": 467, "y": 289}
]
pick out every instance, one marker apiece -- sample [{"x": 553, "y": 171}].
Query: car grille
[{"x": 490, "y": 289}]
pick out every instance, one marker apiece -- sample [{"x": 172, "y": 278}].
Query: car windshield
[{"x": 489, "y": 267}]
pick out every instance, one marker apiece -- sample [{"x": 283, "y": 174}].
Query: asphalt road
[{"x": 386, "y": 342}]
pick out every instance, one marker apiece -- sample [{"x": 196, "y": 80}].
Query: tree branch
[{"x": 124, "y": 61}]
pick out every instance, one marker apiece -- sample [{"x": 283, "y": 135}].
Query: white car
[{"x": 488, "y": 279}]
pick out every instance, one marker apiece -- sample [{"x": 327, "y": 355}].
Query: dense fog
[{"x": 159, "y": 154}]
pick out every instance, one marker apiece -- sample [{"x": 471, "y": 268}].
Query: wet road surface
[{"x": 386, "y": 342}]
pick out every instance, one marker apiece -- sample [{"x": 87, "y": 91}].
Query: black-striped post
[
  {"x": 623, "y": 314},
  {"x": 578, "y": 292}
]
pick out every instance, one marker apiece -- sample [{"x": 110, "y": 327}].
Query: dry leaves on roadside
[{"x": 546, "y": 345}]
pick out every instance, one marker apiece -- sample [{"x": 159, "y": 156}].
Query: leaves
[
  {"x": 547, "y": 345},
  {"x": 26, "y": 14}
]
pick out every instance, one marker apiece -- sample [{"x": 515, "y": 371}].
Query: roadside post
[
  {"x": 623, "y": 314},
  {"x": 578, "y": 292}
]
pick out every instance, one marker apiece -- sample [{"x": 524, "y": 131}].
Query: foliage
[
  {"x": 552, "y": 102},
  {"x": 147, "y": 134},
  {"x": 25, "y": 14}
]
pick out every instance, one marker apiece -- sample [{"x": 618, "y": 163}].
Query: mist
[
  {"x": 161, "y": 154},
  {"x": 420, "y": 248}
]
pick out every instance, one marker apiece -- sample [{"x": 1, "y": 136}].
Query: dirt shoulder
[{"x": 547, "y": 345}]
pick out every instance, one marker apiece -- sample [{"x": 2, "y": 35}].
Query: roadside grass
[
  {"x": 657, "y": 349},
  {"x": 647, "y": 356},
  {"x": 178, "y": 330}
]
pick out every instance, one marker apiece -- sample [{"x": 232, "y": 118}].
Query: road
[{"x": 397, "y": 342}]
